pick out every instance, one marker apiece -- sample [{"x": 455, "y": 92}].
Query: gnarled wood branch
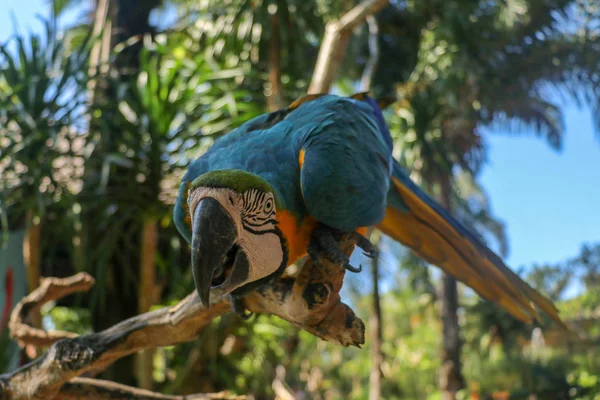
[
  {"x": 310, "y": 301},
  {"x": 49, "y": 289}
]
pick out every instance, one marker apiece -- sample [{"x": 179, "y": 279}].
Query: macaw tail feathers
[{"x": 415, "y": 220}]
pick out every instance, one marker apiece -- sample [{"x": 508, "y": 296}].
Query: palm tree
[
  {"x": 480, "y": 64},
  {"x": 42, "y": 80}
]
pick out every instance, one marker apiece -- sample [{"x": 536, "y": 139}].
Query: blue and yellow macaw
[{"x": 288, "y": 184}]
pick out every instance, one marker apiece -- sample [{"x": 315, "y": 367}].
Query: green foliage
[
  {"x": 169, "y": 110},
  {"x": 586, "y": 374},
  {"x": 464, "y": 77},
  {"x": 557, "y": 364},
  {"x": 70, "y": 319},
  {"x": 243, "y": 31},
  {"x": 8, "y": 348},
  {"x": 42, "y": 78},
  {"x": 520, "y": 375}
]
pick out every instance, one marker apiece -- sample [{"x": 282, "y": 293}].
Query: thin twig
[{"x": 369, "y": 71}]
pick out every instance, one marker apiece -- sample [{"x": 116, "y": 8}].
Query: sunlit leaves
[
  {"x": 175, "y": 105},
  {"x": 494, "y": 65},
  {"x": 241, "y": 32},
  {"x": 42, "y": 83}
]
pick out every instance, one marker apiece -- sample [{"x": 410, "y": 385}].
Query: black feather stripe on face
[
  {"x": 249, "y": 226},
  {"x": 257, "y": 210}
]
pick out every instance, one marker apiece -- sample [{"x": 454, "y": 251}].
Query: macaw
[{"x": 290, "y": 183}]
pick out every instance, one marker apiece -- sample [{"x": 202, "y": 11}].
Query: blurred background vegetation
[{"x": 98, "y": 120}]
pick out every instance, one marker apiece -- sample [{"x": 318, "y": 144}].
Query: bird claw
[
  {"x": 324, "y": 242},
  {"x": 352, "y": 268},
  {"x": 368, "y": 249}
]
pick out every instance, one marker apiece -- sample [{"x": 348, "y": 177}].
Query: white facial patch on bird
[{"x": 254, "y": 215}]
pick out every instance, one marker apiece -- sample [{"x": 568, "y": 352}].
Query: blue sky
[{"x": 550, "y": 201}]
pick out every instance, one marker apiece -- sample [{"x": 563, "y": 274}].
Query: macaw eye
[{"x": 268, "y": 207}]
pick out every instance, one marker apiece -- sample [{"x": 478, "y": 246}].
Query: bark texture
[
  {"x": 451, "y": 379},
  {"x": 147, "y": 296},
  {"x": 31, "y": 256},
  {"x": 376, "y": 336}
]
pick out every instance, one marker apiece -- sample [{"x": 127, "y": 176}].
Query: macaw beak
[{"x": 217, "y": 262}]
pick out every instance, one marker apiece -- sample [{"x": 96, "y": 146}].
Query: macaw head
[{"x": 236, "y": 244}]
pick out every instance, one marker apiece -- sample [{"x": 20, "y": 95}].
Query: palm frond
[{"x": 531, "y": 112}]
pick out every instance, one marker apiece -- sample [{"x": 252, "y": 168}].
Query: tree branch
[
  {"x": 49, "y": 289},
  {"x": 335, "y": 41},
  {"x": 371, "y": 66},
  {"x": 310, "y": 301}
]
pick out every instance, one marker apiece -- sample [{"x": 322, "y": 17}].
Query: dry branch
[
  {"x": 333, "y": 47},
  {"x": 50, "y": 289},
  {"x": 310, "y": 301},
  {"x": 371, "y": 66}
]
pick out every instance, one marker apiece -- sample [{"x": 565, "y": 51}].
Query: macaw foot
[
  {"x": 238, "y": 307},
  {"x": 324, "y": 242}
]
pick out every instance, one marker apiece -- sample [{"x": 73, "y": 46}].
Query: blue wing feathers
[
  {"x": 405, "y": 180},
  {"x": 344, "y": 181},
  {"x": 347, "y": 159},
  {"x": 345, "y": 175}
]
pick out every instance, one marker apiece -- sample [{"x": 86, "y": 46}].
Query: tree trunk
[
  {"x": 118, "y": 20},
  {"x": 376, "y": 334},
  {"x": 451, "y": 379},
  {"x": 275, "y": 99},
  {"x": 99, "y": 54},
  {"x": 132, "y": 19},
  {"x": 31, "y": 256},
  {"x": 147, "y": 296}
]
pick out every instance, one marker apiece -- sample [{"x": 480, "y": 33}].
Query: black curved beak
[{"x": 217, "y": 262}]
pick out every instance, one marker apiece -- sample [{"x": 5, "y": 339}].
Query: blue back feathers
[{"x": 347, "y": 147}]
